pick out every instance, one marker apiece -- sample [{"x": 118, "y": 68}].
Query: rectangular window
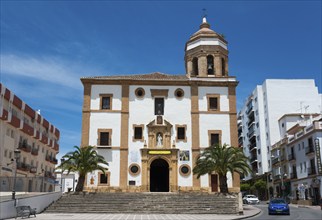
[
  {"x": 213, "y": 102},
  {"x": 106, "y": 101},
  {"x": 138, "y": 132},
  {"x": 214, "y": 137},
  {"x": 105, "y": 138},
  {"x": 5, "y": 153},
  {"x": 181, "y": 132},
  {"x": 103, "y": 178},
  {"x": 159, "y": 106}
]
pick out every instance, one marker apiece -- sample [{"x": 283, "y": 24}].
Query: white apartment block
[
  {"x": 25, "y": 129},
  {"x": 296, "y": 167},
  {"x": 258, "y": 127},
  {"x": 151, "y": 127}
]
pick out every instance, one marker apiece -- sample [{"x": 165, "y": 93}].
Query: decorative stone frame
[
  {"x": 108, "y": 174},
  {"x": 101, "y": 101},
  {"x": 138, "y": 90},
  {"x": 185, "y": 133},
  {"x": 185, "y": 174},
  {"x": 218, "y": 102},
  {"x": 138, "y": 126},
  {"x": 138, "y": 172},
  {"x": 179, "y": 90},
  {"x": 99, "y": 131},
  {"x": 219, "y": 132}
]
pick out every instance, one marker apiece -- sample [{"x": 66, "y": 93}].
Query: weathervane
[{"x": 204, "y": 12}]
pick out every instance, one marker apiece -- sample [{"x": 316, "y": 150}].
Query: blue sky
[{"x": 46, "y": 46}]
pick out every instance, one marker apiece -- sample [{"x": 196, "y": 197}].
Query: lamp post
[
  {"x": 62, "y": 160},
  {"x": 17, "y": 156}
]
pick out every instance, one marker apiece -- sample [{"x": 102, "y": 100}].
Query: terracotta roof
[{"x": 149, "y": 76}]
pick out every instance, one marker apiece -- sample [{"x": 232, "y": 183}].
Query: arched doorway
[{"x": 159, "y": 176}]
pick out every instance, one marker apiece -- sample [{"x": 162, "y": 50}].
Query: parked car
[
  {"x": 278, "y": 206},
  {"x": 250, "y": 199}
]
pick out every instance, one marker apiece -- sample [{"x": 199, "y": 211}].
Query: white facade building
[
  {"x": 258, "y": 127},
  {"x": 151, "y": 127},
  {"x": 296, "y": 167}
]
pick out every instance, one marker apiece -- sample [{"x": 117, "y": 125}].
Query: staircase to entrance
[{"x": 166, "y": 203}]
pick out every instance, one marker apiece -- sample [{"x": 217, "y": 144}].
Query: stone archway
[{"x": 159, "y": 176}]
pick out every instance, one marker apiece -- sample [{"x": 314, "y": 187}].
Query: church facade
[{"x": 151, "y": 127}]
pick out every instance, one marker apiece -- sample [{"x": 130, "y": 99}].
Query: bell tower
[{"x": 206, "y": 53}]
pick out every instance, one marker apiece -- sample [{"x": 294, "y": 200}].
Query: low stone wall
[{"x": 40, "y": 202}]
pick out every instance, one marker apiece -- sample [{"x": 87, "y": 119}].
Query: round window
[
  {"x": 134, "y": 169},
  {"x": 139, "y": 92},
  {"x": 184, "y": 170},
  {"x": 179, "y": 93}
]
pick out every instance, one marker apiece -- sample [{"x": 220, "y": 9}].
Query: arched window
[
  {"x": 223, "y": 67},
  {"x": 195, "y": 69},
  {"x": 210, "y": 65}
]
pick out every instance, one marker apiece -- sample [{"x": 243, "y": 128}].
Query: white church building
[{"x": 151, "y": 127}]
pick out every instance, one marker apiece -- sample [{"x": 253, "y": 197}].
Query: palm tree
[
  {"x": 82, "y": 160},
  {"x": 222, "y": 159}
]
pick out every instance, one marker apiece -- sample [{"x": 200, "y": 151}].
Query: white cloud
[{"x": 45, "y": 69}]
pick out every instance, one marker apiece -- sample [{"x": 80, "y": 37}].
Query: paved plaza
[{"x": 249, "y": 211}]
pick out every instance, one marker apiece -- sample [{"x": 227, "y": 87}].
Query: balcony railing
[
  {"x": 277, "y": 177},
  {"x": 275, "y": 161},
  {"x": 34, "y": 151},
  {"x": 24, "y": 146},
  {"x": 309, "y": 149},
  {"x": 252, "y": 146},
  {"x": 23, "y": 166},
  {"x": 311, "y": 171},
  {"x": 282, "y": 157},
  {"x": 291, "y": 157},
  {"x": 253, "y": 159},
  {"x": 49, "y": 175},
  {"x": 33, "y": 169}
]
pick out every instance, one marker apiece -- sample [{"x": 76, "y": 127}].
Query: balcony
[
  {"x": 275, "y": 160},
  {"x": 311, "y": 171},
  {"x": 283, "y": 157},
  {"x": 24, "y": 146},
  {"x": 49, "y": 175},
  {"x": 253, "y": 159},
  {"x": 33, "y": 169},
  {"x": 34, "y": 151},
  {"x": 294, "y": 175},
  {"x": 51, "y": 159},
  {"x": 249, "y": 110},
  {"x": 277, "y": 177},
  {"x": 15, "y": 121},
  {"x": 291, "y": 157},
  {"x": 252, "y": 146},
  {"x": 23, "y": 166},
  {"x": 309, "y": 149},
  {"x": 27, "y": 129}
]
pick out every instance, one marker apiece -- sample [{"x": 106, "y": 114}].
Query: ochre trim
[
  {"x": 195, "y": 138},
  {"x": 233, "y": 130},
  {"x": 124, "y": 136},
  {"x": 86, "y": 115},
  {"x": 106, "y": 110},
  {"x": 159, "y": 92}
]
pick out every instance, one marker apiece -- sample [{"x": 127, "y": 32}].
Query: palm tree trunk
[
  {"x": 80, "y": 183},
  {"x": 223, "y": 183}
]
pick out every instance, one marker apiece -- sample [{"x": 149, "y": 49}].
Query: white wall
[
  {"x": 116, "y": 90},
  {"x": 40, "y": 202},
  {"x": 203, "y": 102}
]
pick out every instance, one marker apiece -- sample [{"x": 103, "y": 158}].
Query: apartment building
[
  {"x": 258, "y": 127},
  {"x": 23, "y": 128},
  {"x": 296, "y": 164}
]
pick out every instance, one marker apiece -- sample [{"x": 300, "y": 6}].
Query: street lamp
[
  {"x": 62, "y": 160},
  {"x": 16, "y": 156}
]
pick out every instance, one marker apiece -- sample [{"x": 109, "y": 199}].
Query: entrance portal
[{"x": 159, "y": 176}]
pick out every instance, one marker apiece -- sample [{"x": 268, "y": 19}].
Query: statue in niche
[{"x": 159, "y": 140}]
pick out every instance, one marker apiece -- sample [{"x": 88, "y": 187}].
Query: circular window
[
  {"x": 134, "y": 169},
  {"x": 184, "y": 170},
  {"x": 179, "y": 93},
  {"x": 139, "y": 92}
]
